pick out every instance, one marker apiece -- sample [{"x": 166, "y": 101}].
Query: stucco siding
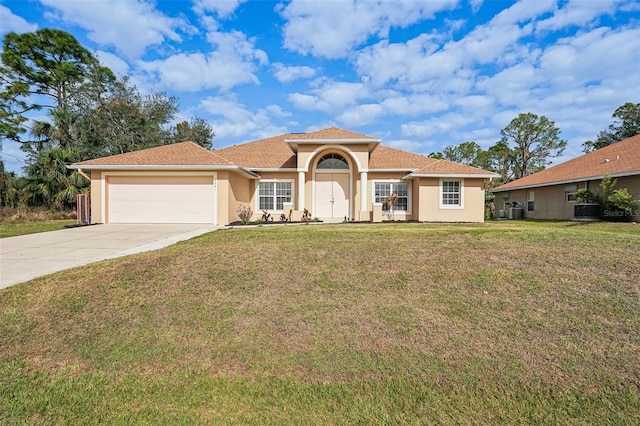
[{"x": 430, "y": 209}]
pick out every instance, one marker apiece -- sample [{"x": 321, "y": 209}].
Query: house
[
  {"x": 334, "y": 173},
  {"x": 550, "y": 193}
]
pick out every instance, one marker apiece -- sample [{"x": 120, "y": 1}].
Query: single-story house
[
  {"x": 550, "y": 193},
  {"x": 335, "y": 174}
]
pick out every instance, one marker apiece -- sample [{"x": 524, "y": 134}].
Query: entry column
[
  {"x": 301, "y": 182},
  {"x": 363, "y": 192}
]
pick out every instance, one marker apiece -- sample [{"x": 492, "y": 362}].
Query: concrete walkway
[{"x": 30, "y": 256}]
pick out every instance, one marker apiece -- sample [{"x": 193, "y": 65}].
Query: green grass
[
  {"x": 13, "y": 229},
  {"x": 501, "y": 323}
]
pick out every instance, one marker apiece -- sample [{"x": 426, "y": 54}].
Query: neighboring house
[
  {"x": 550, "y": 193},
  {"x": 334, "y": 173}
]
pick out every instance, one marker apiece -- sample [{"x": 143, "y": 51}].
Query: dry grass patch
[{"x": 503, "y": 322}]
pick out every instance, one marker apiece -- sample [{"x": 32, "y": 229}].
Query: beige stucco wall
[
  {"x": 472, "y": 203},
  {"x": 550, "y": 201}
]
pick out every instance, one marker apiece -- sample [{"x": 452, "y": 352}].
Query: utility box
[{"x": 515, "y": 213}]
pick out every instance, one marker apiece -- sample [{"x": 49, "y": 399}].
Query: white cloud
[
  {"x": 113, "y": 62},
  {"x": 286, "y": 74},
  {"x": 578, "y": 12},
  {"x": 222, "y": 9},
  {"x": 129, "y": 26},
  {"x": 14, "y": 23},
  {"x": 332, "y": 97},
  {"x": 234, "y": 62},
  {"x": 332, "y": 32},
  {"x": 191, "y": 72},
  {"x": 231, "y": 119}
]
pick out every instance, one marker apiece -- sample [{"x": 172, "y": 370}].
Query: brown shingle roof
[
  {"x": 446, "y": 167},
  {"x": 331, "y": 133},
  {"x": 265, "y": 153},
  {"x": 384, "y": 157},
  {"x": 182, "y": 154},
  {"x": 619, "y": 159}
]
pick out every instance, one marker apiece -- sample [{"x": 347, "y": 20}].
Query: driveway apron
[{"x": 26, "y": 257}]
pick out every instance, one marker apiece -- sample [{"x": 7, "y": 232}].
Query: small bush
[{"x": 244, "y": 214}]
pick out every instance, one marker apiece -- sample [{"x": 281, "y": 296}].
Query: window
[
  {"x": 383, "y": 190},
  {"x": 272, "y": 195},
  {"x": 451, "y": 194},
  {"x": 333, "y": 161},
  {"x": 530, "y": 201},
  {"x": 571, "y": 196}
]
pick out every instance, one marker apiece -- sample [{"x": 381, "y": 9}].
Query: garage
[{"x": 160, "y": 199}]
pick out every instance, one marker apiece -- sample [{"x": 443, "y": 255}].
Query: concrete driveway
[{"x": 30, "y": 256}]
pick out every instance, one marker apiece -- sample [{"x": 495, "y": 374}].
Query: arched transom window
[{"x": 333, "y": 161}]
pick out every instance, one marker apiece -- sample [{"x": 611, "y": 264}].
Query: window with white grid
[
  {"x": 451, "y": 194},
  {"x": 272, "y": 195},
  {"x": 383, "y": 190}
]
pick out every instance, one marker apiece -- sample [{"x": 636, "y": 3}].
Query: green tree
[
  {"x": 198, "y": 131},
  {"x": 436, "y": 155},
  {"x": 49, "y": 183},
  {"x": 465, "y": 153},
  {"x": 9, "y": 187},
  {"x": 42, "y": 70},
  {"x": 531, "y": 141},
  {"x": 626, "y": 125},
  {"x": 122, "y": 120}
]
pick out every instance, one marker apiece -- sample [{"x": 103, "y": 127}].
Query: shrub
[
  {"x": 585, "y": 196},
  {"x": 621, "y": 199},
  {"x": 244, "y": 214}
]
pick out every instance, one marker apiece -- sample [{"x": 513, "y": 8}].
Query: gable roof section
[
  {"x": 446, "y": 168},
  {"x": 182, "y": 154},
  {"x": 390, "y": 158},
  {"x": 331, "y": 133},
  {"x": 619, "y": 159},
  {"x": 270, "y": 153}
]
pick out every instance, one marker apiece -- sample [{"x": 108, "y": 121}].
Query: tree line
[
  {"x": 83, "y": 111},
  {"x": 530, "y": 142},
  {"x": 86, "y": 112}
]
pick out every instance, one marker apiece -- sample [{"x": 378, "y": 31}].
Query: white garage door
[{"x": 160, "y": 199}]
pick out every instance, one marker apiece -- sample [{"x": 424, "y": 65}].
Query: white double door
[{"x": 332, "y": 195}]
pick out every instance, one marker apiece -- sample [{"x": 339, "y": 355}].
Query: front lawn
[
  {"x": 13, "y": 229},
  {"x": 501, "y": 323}
]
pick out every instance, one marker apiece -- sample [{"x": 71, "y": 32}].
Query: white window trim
[
  {"x": 257, "y": 193},
  {"x": 409, "y": 193},
  {"x": 566, "y": 197},
  {"x": 440, "y": 193}
]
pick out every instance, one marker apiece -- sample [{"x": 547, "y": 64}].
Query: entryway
[{"x": 332, "y": 195}]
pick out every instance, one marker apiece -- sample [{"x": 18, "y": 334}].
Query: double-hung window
[
  {"x": 530, "y": 200},
  {"x": 273, "y": 194},
  {"x": 383, "y": 190},
  {"x": 451, "y": 194}
]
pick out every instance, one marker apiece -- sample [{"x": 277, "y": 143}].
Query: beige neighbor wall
[
  {"x": 429, "y": 199},
  {"x": 550, "y": 202}
]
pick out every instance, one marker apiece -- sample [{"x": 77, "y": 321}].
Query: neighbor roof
[{"x": 618, "y": 159}]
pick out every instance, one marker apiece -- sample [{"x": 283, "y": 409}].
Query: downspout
[{"x": 84, "y": 175}]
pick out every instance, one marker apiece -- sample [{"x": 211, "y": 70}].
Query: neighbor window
[
  {"x": 451, "y": 193},
  {"x": 383, "y": 190},
  {"x": 571, "y": 196},
  {"x": 272, "y": 195},
  {"x": 530, "y": 200}
]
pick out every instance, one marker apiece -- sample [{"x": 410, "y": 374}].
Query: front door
[{"x": 332, "y": 195}]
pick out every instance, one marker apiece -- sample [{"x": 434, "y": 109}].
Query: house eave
[
  {"x": 566, "y": 181},
  {"x": 454, "y": 175},
  {"x": 165, "y": 167}
]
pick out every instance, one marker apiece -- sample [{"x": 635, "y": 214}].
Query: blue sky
[{"x": 420, "y": 75}]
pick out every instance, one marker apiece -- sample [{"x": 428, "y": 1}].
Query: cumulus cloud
[
  {"x": 231, "y": 119},
  {"x": 332, "y": 32},
  {"x": 331, "y": 97},
  {"x": 113, "y": 62},
  {"x": 14, "y": 23},
  {"x": 129, "y": 26},
  {"x": 578, "y": 12},
  {"x": 234, "y": 62},
  {"x": 287, "y": 74},
  {"x": 221, "y": 9}
]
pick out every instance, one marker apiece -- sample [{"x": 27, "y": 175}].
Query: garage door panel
[{"x": 160, "y": 199}]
